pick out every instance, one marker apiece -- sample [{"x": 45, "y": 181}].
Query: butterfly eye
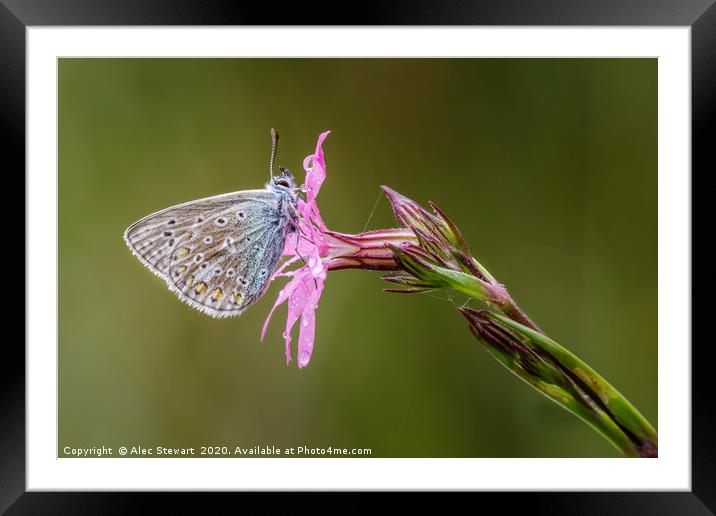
[{"x": 281, "y": 182}]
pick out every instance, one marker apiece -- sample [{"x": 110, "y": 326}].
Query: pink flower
[{"x": 323, "y": 250}]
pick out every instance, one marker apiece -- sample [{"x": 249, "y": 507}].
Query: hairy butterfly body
[{"x": 218, "y": 253}]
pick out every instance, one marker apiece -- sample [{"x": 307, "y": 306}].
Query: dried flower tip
[{"x": 439, "y": 227}]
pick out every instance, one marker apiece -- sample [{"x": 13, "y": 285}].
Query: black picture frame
[{"x": 700, "y": 15}]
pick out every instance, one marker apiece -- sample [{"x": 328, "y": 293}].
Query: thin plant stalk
[{"x": 565, "y": 379}]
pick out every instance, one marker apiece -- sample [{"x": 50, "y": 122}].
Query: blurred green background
[{"x": 548, "y": 166}]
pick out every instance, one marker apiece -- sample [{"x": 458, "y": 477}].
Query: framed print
[{"x": 320, "y": 257}]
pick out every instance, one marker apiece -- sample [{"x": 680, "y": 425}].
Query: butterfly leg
[
  {"x": 297, "y": 230},
  {"x": 296, "y": 248}
]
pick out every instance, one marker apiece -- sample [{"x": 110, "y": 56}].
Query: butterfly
[{"x": 217, "y": 254}]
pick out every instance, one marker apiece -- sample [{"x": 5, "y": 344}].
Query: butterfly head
[{"x": 283, "y": 180}]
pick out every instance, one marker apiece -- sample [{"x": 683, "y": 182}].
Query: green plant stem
[{"x": 566, "y": 380}]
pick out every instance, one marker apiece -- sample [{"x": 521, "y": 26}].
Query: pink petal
[
  {"x": 302, "y": 293},
  {"x": 311, "y": 225},
  {"x": 315, "y": 167},
  {"x": 306, "y": 285},
  {"x": 279, "y": 272},
  {"x": 296, "y": 302},
  {"x": 283, "y": 295},
  {"x": 306, "y": 338}
]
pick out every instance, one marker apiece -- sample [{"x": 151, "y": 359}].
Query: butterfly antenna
[{"x": 274, "y": 148}]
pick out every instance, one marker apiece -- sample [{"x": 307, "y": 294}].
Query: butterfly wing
[{"x": 216, "y": 253}]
